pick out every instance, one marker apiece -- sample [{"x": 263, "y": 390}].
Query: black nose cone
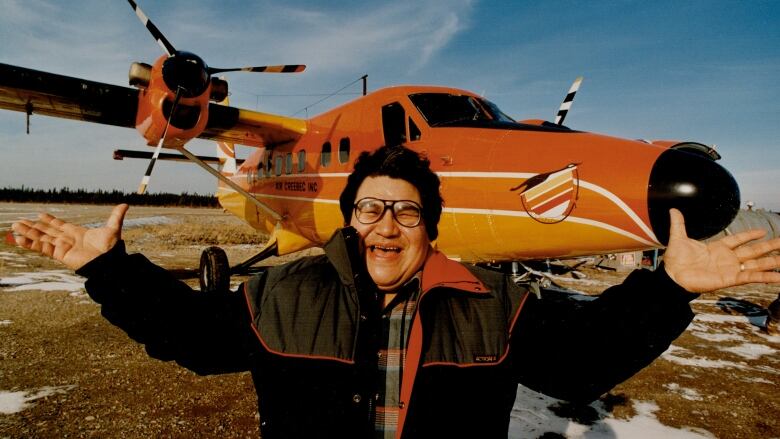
[{"x": 705, "y": 193}]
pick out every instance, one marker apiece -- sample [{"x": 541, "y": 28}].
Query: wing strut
[{"x": 193, "y": 158}]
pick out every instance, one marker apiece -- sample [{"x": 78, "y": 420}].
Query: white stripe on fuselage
[{"x": 502, "y": 175}]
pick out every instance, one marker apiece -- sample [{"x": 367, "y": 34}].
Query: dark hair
[{"x": 402, "y": 163}]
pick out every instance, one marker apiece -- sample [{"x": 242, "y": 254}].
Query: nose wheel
[{"x": 214, "y": 270}]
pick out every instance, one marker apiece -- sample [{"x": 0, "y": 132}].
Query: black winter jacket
[{"x": 308, "y": 332}]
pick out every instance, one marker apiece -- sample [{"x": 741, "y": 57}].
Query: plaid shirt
[{"x": 396, "y": 325}]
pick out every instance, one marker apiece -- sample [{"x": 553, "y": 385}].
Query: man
[{"x": 385, "y": 337}]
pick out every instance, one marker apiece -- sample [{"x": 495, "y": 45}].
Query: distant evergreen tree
[{"x": 100, "y": 196}]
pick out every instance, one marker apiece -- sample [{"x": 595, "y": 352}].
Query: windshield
[{"x": 440, "y": 109}]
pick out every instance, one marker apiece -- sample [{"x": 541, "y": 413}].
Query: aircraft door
[{"x": 394, "y": 124}]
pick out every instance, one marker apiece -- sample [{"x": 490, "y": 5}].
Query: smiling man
[
  {"x": 383, "y": 336},
  {"x": 394, "y": 246},
  {"x": 383, "y": 200}
]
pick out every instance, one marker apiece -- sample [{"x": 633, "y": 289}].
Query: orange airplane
[{"x": 513, "y": 190}]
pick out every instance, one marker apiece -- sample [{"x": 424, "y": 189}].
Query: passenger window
[
  {"x": 288, "y": 163},
  {"x": 278, "y": 167},
  {"x": 414, "y": 132},
  {"x": 325, "y": 156},
  {"x": 301, "y": 160},
  {"x": 393, "y": 124},
  {"x": 268, "y": 162},
  {"x": 344, "y": 150}
]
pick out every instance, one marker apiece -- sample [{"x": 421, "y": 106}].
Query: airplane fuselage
[{"x": 512, "y": 191}]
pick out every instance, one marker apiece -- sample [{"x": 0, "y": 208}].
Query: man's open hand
[
  {"x": 733, "y": 260},
  {"x": 68, "y": 243}
]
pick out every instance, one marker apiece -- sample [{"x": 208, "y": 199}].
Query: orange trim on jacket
[{"x": 438, "y": 272}]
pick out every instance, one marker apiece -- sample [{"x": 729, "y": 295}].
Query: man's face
[{"x": 393, "y": 253}]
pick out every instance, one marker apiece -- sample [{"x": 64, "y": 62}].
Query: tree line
[{"x": 81, "y": 196}]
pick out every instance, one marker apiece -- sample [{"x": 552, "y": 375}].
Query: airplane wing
[
  {"x": 36, "y": 92},
  {"x": 251, "y": 128}
]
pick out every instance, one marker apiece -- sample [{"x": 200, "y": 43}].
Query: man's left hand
[{"x": 733, "y": 260}]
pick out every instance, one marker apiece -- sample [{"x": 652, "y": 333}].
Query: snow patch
[
  {"x": 138, "y": 222},
  {"x": 15, "y": 402},
  {"x": 770, "y": 338},
  {"x": 717, "y": 337},
  {"x": 54, "y": 280},
  {"x": 755, "y": 320},
  {"x": 689, "y": 394},
  {"x": 534, "y": 415},
  {"x": 751, "y": 351},
  {"x": 5, "y": 322},
  {"x": 759, "y": 380},
  {"x": 646, "y": 425},
  {"x": 682, "y": 357},
  {"x": 726, "y": 328}
]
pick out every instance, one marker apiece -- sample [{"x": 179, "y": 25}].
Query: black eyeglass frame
[{"x": 389, "y": 204}]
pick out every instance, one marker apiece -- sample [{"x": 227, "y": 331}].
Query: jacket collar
[
  {"x": 440, "y": 271},
  {"x": 343, "y": 252}
]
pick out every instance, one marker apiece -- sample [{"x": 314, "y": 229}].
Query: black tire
[{"x": 214, "y": 270}]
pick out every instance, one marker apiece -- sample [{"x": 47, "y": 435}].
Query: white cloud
[
  {"x": 405, "y": 33},
  {"x": 440, "y": 37}
]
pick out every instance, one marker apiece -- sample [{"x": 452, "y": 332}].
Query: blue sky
[{"x": 690, "y": 70}]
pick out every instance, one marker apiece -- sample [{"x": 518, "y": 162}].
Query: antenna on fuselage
[{"x": 330, "y": 95}]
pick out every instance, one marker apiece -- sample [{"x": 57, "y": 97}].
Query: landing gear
[{"x": 214, "y": 270}]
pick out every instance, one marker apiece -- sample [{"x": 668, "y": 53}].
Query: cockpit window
[
  {"x": 440, "y": 109},
  {"x": 500, "y": 115}
]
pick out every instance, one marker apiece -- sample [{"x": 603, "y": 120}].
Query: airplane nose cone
[{"x": 705, "y": 193}]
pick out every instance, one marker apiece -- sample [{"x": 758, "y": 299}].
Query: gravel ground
[{"x": 65, "y": 372}]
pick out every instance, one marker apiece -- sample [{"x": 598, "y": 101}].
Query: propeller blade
[
  {"x": 161, "y": 40},
  {"x": 148, "y": 174},
  {"x": 566, "y": 104},
  {"x": 286, "y": 68}
]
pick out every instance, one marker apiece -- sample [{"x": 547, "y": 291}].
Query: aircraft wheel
[{"x": 214, "y": 270}]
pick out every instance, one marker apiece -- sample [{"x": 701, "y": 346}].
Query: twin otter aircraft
[{"x": 512, "y": 190}]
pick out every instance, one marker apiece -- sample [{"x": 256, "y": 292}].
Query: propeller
[
  {"x": 188, "y": 70},
  {"x": 284, "y": 68},
  {"x": 189, "y": 75},
  {"x": 566, "y": 104},
  {"x": 161, "y": 40}
]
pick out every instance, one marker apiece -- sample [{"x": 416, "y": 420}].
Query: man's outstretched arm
[
  {"x": 203, "y": 332},
  {"x": 578, "y": 351}
]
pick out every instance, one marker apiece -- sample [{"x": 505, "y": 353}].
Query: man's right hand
[{"x": 68, "y": 243}]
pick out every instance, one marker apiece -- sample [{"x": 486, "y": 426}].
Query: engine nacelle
[
  {"x": 155, "y": 103},
  {"x": 140, "y": 74}
]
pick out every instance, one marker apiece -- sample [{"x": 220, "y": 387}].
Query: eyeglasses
[{"x": 405, "y": 212}]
